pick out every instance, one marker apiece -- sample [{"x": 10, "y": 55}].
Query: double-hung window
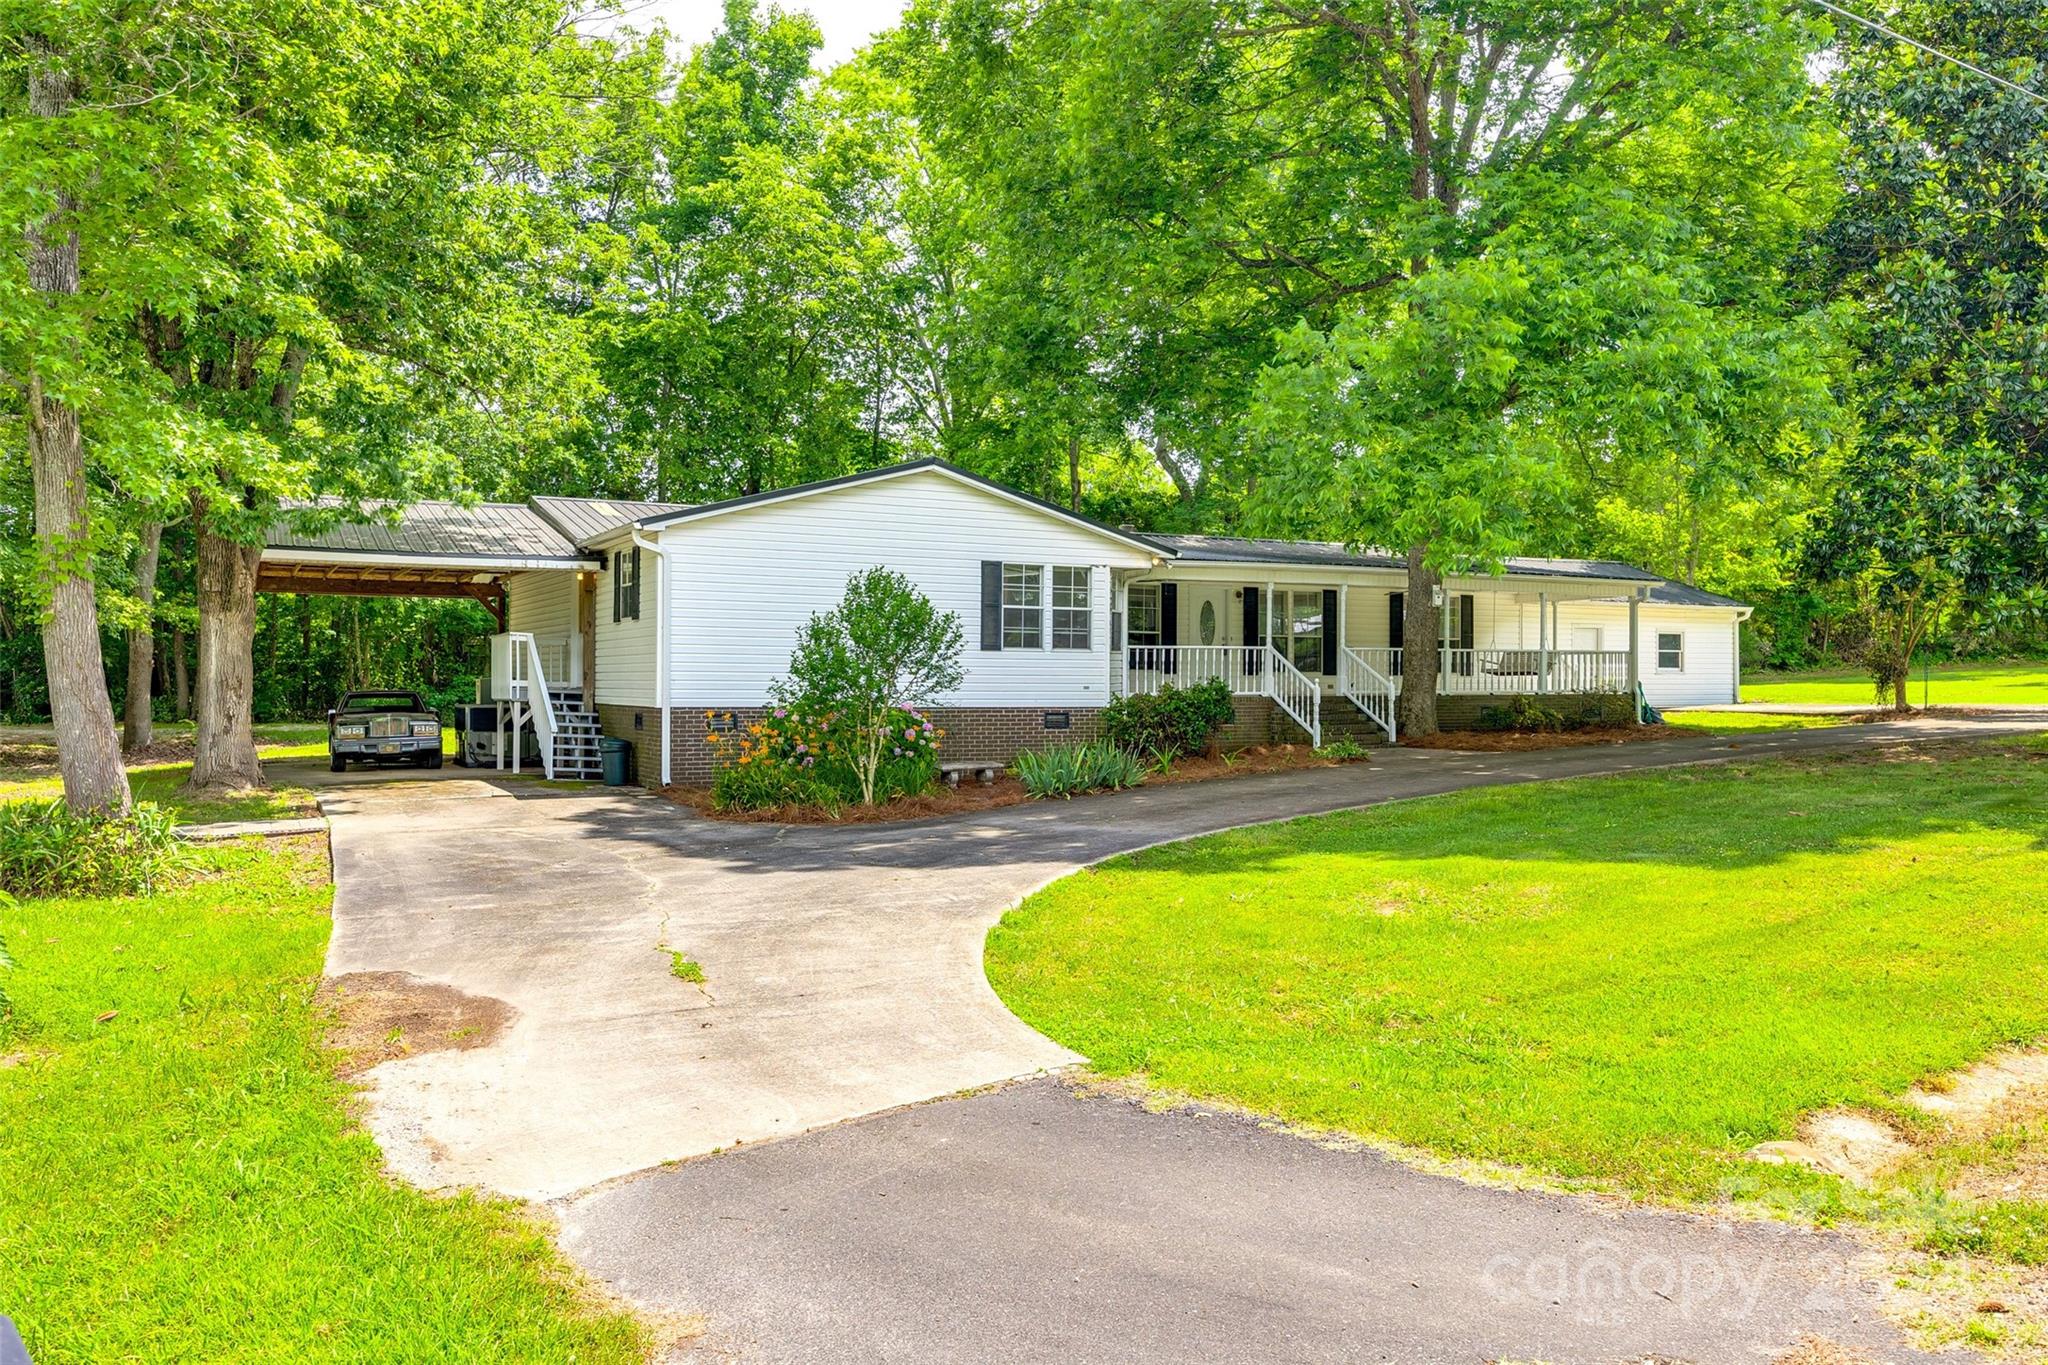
[
  {"x": 1023, "y": 606},
  {"x": 1670, "y": 651},
  {"x": 1070, "y": 615}
]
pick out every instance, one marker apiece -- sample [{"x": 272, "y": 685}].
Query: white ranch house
[{"x": 654, "y": 622}]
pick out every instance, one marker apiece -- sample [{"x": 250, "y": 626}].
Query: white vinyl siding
[
  {"x": 626, "y": 649},
  {"x": 746, "y": 580},
  {"x": 541, "y": 602},
  {"x": 1706, "y": 672}
]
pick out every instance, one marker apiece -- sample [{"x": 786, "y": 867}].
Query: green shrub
[
  {"x": 1170, "y": 722},
  {"x": 868, "y": 666},
  {"x": 1343, "y": 750},
  {"x": 820, "y": 747},
  {"x": 769, "y": 786},
  {"x": 1552, "y": 715},
  {"x": 1065, "y": 769},
  {"x": 46, "y": 850}
]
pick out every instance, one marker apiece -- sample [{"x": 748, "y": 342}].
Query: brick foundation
[
  {"x": 639, "y": 726},
  {"x": 991, "y": 733},
  {"x": 1462, "y": 712}
]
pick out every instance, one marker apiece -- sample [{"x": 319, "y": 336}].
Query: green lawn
[
  {"x": 1621, "y": 981},
  {"x": 179, "y": 1179},
  {"x": 2012, "y": 684},
  {"x": 28, "y": 770},
  {"x": 1747, "y": 722}
]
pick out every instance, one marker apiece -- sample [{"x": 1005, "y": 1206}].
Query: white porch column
[
  {"x": 1635, "y": 651},
  {"x": 1343, "y": 610},
  {"x": 1542, "y": 642}
]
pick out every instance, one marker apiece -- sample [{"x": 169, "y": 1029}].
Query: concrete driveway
[{"x": 843, "y": 978}]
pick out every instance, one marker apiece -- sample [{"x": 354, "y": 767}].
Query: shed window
[
  {"x": 1670, "y": 651},
  {"x": 1070, "y": 616},
  {"x": 1023, "y": 606}
]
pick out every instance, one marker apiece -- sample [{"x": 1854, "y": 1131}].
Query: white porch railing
[
  {"x": 519, "y": 679},
  {"x": 1501, "y": 672},
  {"x": 1248, "y": 670},
  {"x": 1370, "y": 690}
]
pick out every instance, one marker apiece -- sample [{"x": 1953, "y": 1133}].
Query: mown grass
[
  {"x": 1965, "y": 684},
  {"x": 1621, "y": 981},
  {"x": 179, "y": 1179},
  {"x": 28, "y": 771},
  {"x": 1747, "y": 722}
]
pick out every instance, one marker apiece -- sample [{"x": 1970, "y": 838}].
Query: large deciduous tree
[
  {"x": 1941, "y": 241},
  {"x": 316, "y": 264},
  {"x": 46, "y": 362}
]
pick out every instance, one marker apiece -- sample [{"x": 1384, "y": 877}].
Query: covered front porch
[{"x": 1314, "y": 643}]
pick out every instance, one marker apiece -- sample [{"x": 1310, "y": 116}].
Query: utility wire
[{"x": 1876, "y": 27}]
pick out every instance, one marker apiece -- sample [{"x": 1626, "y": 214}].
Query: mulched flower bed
[
  {"x": 1516, "y": 741},
  {"x": 1006, "y": 790}
]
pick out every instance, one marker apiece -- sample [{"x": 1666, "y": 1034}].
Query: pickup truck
[{"x": 383, "y": 726}]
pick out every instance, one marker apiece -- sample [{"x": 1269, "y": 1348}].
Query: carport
[{"x": 431, "y": 549}]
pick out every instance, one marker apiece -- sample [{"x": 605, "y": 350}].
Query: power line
[{"x": 1876, "y": 27}]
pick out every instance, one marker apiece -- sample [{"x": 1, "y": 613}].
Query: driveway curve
[{"x": 842, "y": 964}]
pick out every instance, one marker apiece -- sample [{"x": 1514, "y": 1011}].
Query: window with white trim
[
  {"x": 1670, "y": 651},
  {"x": 1071, "y": 626},
  {"x": 1023, "y": 606}
]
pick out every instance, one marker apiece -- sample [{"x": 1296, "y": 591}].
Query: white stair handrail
[
  {"x": 1370, "y": 690},
  {"x": 1294, "y": 692},
  {"x": 530, "y": 689}
]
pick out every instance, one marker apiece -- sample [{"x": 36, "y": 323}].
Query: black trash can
[{"x": 617, "y": 756}]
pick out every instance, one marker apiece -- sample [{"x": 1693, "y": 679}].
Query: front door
[{"x": 586, "y": 623}]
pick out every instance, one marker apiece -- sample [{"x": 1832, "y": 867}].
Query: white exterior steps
[{"x": 576, "y": 736}]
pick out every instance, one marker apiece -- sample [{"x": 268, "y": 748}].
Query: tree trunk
[
  {"x": 181, "y": 676},
  {"x": 224, "y": 758},
  {"x": 1420, "y": 631},
  {"x": 1899, "y": 702},
  {"x": 1074, "y": 471},
  {"x": 88, "y": 754},
  {"x": 136, "y": 722}
]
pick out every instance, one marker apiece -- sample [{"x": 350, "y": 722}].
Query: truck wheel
[
  {"x": 434, "y": 759},
  {"x": 337, "y": 764}
]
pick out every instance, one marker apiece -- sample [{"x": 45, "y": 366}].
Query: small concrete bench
[{"x": 984, "y": 771}]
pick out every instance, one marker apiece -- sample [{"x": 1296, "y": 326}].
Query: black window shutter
[
  {"x": 1169, "y": 623},
  {"x": 1465, "y": 634},
  {"x": 1397, "y": 622},
  {"x": 1251, "y": 629},
  {"x": 991, "y": 604},
  {"x": 1330, "y": 631},
  {"x": 635, "y": 604},
  {"x": 1116, "y": 630},
  {"x": 618, "y": 588}
]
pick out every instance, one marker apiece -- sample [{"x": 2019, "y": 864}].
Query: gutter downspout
[{"x": 653, "y": 547}]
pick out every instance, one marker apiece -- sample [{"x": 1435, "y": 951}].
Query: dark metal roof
[
  {"x": 585, "y": 519},
  {"x": 1331, "y": 554},
  {"x": 487, "y": 530},
  {"x": 1667, "y": 593}
]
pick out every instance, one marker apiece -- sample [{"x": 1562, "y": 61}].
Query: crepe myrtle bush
[{"x": 872, "y": 665}]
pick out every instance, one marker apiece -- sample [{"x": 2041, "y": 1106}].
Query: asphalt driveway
[{"x": 843, "y": 978}]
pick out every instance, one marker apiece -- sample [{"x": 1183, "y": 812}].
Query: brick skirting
[{"x": 991, "y": 733}]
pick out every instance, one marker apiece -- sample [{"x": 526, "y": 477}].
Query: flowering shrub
[{"x": 821, "y": 750}]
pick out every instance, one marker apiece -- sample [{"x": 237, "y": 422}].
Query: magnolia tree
[{"x": 883, "y": 650}]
